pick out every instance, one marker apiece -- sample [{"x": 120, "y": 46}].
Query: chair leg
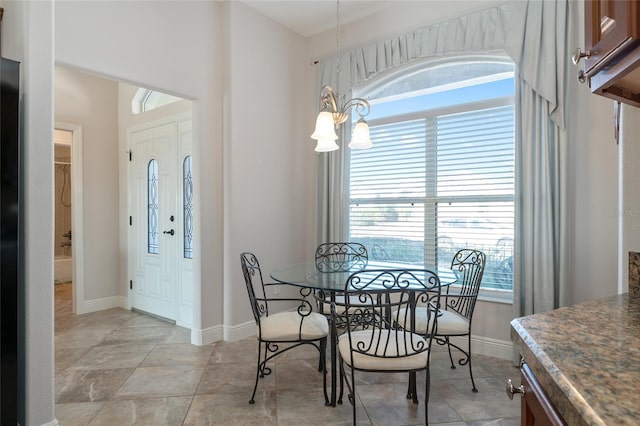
[
  {"x": 352, "y": 395},
  {"x": 473, "y": 383},
  {"x": 351, "y": 387},
  {"x": 412, "y": 391},
  {"x": 323, "y": 353},
  {"x": 258, "y": 369},
  {"x": 426, "y": 397},
  {"x": 453, "y": 366},
  {"x": 341, "y": 372},
  {"x": 323, "y": 368}
]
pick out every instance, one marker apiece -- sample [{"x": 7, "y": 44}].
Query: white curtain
[{"x": 534, "y": 34}]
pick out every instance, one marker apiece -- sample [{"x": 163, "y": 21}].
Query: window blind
[{"x": 435, "y": 184}]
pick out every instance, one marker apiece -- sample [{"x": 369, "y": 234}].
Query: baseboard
[
  {"x": 101, "y": 304},
  {"x": 240, "y": 332},
  {"x": 207, "y": 335},
  {"x": 53, "y": 422},
  {"x": 487, "y": 346}
]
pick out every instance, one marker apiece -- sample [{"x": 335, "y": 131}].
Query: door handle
[{"x": 170, "y": 232}]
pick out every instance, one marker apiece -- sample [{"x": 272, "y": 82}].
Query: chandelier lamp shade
[{"x": 331, "y": 116}]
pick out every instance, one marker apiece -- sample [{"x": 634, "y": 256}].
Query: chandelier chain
[{"x": 338, "y": 69}]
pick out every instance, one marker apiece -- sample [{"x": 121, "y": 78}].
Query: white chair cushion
[
  {"x": 285, "y": 327},
  {"x": 449, "y": 322},
  {"x": 369, "y": 362}
]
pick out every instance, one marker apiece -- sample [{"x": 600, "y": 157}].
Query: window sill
[{"x": 496, "y": 296}]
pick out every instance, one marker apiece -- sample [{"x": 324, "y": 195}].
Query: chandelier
[{"x": 332, "y": 114}]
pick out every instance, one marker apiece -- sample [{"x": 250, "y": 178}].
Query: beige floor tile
[
  {"x": 177, "y": 335},
  {"x": 233, "y": 378},
  {"x": 231, "y": 409},
  {"x": 142, "y": 320},
  {"x": 306, "y": 407},
  {"x": 82, "y": 336},
  {"x": 178, "y": 354},
  {"x": 298, "y": 373},
  {"x": 149, "y": 382},
  {"x": 65, "y": 357},
  {"x": 490, "y": 402},
  {"x": 113, "y": 356},
  {"x": 135, "y": 335},
  {"x": 149, "y": 411},
  {"x": 77, "y": 413},
  {"x": 89, "y": 385},
  {"x": 245, "y": 351},
  {"x": 388, "y": 404},
  {"x": 514, "y": 421}
]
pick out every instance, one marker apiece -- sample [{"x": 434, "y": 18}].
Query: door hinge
[
  {"x": 130, "y": 220},
  {"x": 130, "y": 284},
  {"x": 130, "y": 154}
]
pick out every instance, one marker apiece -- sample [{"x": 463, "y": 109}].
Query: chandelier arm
[
  {"x": 328, "y": 99},
  {"x": 361, "y": 106}
]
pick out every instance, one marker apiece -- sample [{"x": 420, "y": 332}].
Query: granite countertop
[{"x": 587, "y": 359}]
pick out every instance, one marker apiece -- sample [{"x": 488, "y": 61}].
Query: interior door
[{"x": 154, "y": 203}]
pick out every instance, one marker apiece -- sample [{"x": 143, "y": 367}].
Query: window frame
[{"x": 430, "y": 199}]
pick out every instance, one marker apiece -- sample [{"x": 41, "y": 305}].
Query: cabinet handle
[
  {"x": 579, "y": 54},
  {"x": 582, "y": 78},
  {"x": 511, "y": 390}
]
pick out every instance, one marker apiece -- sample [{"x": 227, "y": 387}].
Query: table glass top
[{"x": 307, "y": 275}]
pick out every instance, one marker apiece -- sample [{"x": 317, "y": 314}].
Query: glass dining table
[{"x": 306, "y": 275}]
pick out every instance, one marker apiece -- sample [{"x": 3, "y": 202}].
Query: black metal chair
[
  {"x": 373, "y": 340},
  {"x": 279, "y": 332},
  {"x": 341, "y": 257},
  {"x": 338, "y": 257},
  {"x": 456, "y": 315}
]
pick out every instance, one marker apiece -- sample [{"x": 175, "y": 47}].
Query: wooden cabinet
[
  {"x": 536, "y": 408},
  {"x": 612, "y": 43}
]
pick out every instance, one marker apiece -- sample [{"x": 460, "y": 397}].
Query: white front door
[{"x": 154, "y": 220}]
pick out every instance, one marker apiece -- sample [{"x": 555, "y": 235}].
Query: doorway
[{"x": 68, "y": 234}]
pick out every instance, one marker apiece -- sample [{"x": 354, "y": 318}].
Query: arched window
[
  {"x": 440, "y": 176},
  {"x": 147, "y": 99}
]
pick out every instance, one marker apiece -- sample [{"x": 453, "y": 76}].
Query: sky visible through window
[{"x": 476, "y": 93}]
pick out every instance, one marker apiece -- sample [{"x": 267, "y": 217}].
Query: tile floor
[{"x": 117, "y": 367}]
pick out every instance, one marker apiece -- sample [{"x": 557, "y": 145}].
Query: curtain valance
[{"x": 532, "y": 33}]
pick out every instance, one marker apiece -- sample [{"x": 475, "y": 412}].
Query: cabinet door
[
  {"x": 610, "y": 26},
  {"x": 536, "y": 409}
]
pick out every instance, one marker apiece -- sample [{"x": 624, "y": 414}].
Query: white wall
[
  {"x": 629, "y": 209},
  {"x": 27, "y": 34},
  {"x": 270, "y": 158},
  {"x": 92, "y": 103},
  {"x": 593, "y": 183}
]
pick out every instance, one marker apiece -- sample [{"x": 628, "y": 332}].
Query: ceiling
[{"x": 310, "y": 17}]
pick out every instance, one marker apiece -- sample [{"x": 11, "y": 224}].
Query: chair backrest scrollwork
[
  {"x": 341, "y": 257},
  {"x": 255, "y": 285},
  {"x": 385, "y": 302},
  {"x": 468, "y": 266}
]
